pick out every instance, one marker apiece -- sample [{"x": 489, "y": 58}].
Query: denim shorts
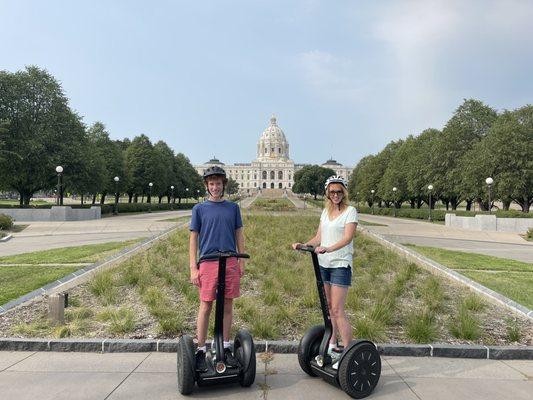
[{"x": 340, "y": 276}]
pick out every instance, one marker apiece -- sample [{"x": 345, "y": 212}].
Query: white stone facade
[{"x": 273, "y": 168}]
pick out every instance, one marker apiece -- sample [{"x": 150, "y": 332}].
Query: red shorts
[{"x": 208, "y": 277}]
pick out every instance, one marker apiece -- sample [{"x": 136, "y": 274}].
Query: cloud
[{"x": 329, "y": 76}]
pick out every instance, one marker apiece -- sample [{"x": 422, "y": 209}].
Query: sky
[{"x": 343, "y": 78}]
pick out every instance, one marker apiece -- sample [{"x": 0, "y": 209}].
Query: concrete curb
[
  {"x": 6, "y": 238},
  {"x": 81, "y": 275},
  {"x": 285, "y": 347},
  {"x": 448, "y": 273}
]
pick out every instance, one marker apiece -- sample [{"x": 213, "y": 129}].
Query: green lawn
[
  {"x": 78, "y": 254},
  {"x": 511, "y": 278},
  {"x": 273, "y": 205},
  {"x": 16, "y": 281}
]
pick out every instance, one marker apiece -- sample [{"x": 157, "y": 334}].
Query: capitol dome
[{"x": 273, "y": 143}]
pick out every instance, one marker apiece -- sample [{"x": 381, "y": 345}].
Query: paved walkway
[
  {"x": 56, "y": 376},
  {"x": 499, "y": 244},
  {"x": 44, "y": 235}
]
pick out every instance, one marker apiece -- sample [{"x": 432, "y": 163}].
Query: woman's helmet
[{"x": 335, "y": 179}]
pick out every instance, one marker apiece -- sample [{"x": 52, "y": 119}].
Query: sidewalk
[
  {"x": 44, "y": 235},
  {"x": 498, "y": 244},
  {"x": 55, "y": 376}
]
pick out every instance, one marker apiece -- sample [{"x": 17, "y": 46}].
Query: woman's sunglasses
[{"x": 337, "y": 192}]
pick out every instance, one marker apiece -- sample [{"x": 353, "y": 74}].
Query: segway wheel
[
  {"x": 359, "y": 370},
  {"x": 185, "y": 365},
  {"x": 309, "y": 348},
  {"x": 244, "y": 350}
]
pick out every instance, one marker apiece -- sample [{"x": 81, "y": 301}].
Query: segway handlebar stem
[{"x": 302, "y": 247}]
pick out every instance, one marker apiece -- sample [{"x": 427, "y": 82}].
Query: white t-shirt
[{"x": 332, "y": 232}]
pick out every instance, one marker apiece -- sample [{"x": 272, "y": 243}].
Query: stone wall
[
  {"x": 489, "y": 223},
  {"x": 56, "y": 213}
]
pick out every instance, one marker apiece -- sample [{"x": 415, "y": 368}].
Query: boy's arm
[
  {"x": 193, "y": 247},
  {"x": 239, "y": 236}
]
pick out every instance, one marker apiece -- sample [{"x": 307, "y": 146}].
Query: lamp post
[
  {"x": 394, "y": 189},
  {"x": 305, "y": 205},
  {"x": 198, "y": 195},
  {"x": 172, "y": 197},
  {"x": 150, "y": 197},
  {"x": 187, "y": 194},
  {"x": 116, "y": 179},
  {"x": 489, "y": 181},
  {"x": 430, "y": 188},
  {"x": 372, "y": 191},
  {"x": 358, "y": 200},
  {"x": 59, "y": 200}
]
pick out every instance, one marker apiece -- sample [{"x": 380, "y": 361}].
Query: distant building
[{"x": 273, "y": 168}]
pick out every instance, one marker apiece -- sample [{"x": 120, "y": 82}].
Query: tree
[
  {"x": 311, "y": 179},
  {"x": 505, "y": 155},
  {"x": 42, "y": 132},
  {"x": 139, "y": 159},
  {"x": 165, "y": 169},
  {"x": 469, "y": 124},
  {"x": 232, "y": 187},
  {"x": 187, "y": 178}
]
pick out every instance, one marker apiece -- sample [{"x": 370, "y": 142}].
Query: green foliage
[
  {"x": 6, "y": 222},
  {"x": 102, "y": 286},
  {"x": 421, "y": 326},
  {"x": 466, "y": 325},
  {"x": 121, "y": 320},
  {"x": 514, "y": 333},
  {"x": 311, "y": 179},
  {"x": 273, "y": 205}
]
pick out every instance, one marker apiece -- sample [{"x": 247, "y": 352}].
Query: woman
[{"x": 333, "y": 243}]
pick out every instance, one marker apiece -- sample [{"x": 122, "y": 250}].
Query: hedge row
[
  {"x": 122, "y": 207},
  {"x": 6, "y": 222},
  {"x": 439, "y": 215}
]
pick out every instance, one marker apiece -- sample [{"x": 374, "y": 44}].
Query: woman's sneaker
[
  {"x": 201, "y": 363},
  {"x": 231, "y": 361}
]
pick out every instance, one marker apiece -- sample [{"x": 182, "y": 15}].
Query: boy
[{"x": 216, "y": 226}]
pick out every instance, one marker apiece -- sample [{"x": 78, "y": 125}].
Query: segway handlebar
[
  {"x": 225, "y": 254},
  {"x": 302, "y": 247}
]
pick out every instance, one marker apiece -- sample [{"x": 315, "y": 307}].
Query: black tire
[
  {"x": 359, "y": 370},
  {"x": 309, "y": 347},
  {"x": 185, "y": 367},
  {"x": 242, "y": 340}
]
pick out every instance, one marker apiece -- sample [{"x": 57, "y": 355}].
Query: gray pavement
[
  {"x": 499, "y": 244},
  {"x": 44, "y": 235},
  {"x": 49, "y": 375}
]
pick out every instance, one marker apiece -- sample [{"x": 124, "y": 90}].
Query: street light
[
  {"x": 172, "y": 197},
  {"x": 150, "y": 197},
  {"x": 430, "y": 188},
  {"x": 394, "y": 189},
  {"x": 187, "y": 194},
  {"x": 489, "y": 181},
  {"x": 198, "y": 195},
  {"x": 116, "y": 179},
  {"x": 59, "y": 200},
  {"x": 372, "y": 191}
]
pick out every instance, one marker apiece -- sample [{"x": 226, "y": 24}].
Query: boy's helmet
[
  {"x": 214, "y": 170},
  {"x": 335, "y": 179}
]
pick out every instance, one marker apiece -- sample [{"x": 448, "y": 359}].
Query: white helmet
[{"x": 335, "y": 179}]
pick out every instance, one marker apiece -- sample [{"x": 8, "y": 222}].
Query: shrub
[
  {"x": 513, "y": 331},
  {"x": 529, "y": 233},
  {"x": 421, "y": 326},
  {"x": 6, "y": 222},
  {"x": 465, "y": 326}
]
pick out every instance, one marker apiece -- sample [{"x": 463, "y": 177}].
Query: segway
[
  {"x": 359, "y": 365},
  {"x": 218, "y": 372}
]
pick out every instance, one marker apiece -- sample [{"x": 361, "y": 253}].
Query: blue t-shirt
[{"x": 216, "y": 223}]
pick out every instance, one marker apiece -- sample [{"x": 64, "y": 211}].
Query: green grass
[
  {"x": 390, "y": 298},
  {"x": 77, "y": 254},
  {"x": 16, "y": 281},
  {"x": 367, "y": 223},
  {"x": 272, "y": 205},
  {"x": 511, "y": 278}
]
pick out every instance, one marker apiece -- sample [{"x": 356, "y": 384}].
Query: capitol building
[{"x": 273, "y": 167}]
